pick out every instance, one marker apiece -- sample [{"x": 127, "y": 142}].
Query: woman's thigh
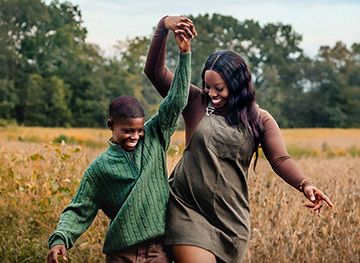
[{"x": 192, "y": 254}]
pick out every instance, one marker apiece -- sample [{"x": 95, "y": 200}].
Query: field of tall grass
[{"x": 40, "y": 170}]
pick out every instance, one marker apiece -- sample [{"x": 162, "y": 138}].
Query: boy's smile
[{"x": 127, "y": 132}]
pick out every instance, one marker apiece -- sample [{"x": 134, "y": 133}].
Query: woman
[{"x": 208, "y": 214}]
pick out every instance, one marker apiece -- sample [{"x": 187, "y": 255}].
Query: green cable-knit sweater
[{"x": 130, "y": 187}]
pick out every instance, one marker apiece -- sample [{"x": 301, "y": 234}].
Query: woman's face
[{"x": 216, "y": 88}]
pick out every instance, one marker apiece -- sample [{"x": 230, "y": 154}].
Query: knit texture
[{"x": 130, "y": 187}]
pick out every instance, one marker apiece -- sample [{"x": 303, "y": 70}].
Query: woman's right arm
[{"x": 155, "y": 68}]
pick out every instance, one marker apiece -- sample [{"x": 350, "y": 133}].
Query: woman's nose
[{"x": 212, "y": 93}]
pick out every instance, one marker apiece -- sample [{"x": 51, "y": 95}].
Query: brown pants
[{"x": 149, "y": 252}]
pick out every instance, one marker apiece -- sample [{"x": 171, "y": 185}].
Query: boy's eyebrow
[{"x": 132, "y": 128}]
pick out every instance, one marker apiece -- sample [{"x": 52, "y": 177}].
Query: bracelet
[{"x": 301, "y": 185}]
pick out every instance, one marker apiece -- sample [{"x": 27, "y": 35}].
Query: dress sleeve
[
  {"x": 77, "y": 216},
  {"x": 274, "y": 148},
  {"x": 155, "y": 68}
]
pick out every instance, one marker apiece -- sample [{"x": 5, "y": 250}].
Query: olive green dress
[{"x": 209, "y": 203}]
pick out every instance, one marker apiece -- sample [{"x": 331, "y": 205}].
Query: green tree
[
  {"x": 328, "y": 88},
  {"x": 48, "y": 41},
  {"x": 50, "y": 75},
  {"x": 35, "y": 101},
  {"x": 8, "y": 99},
  {"x": 58, "y": 96},
  {"x": 132, "y": 59},
  {"x": 352, "y": 93},
  {"x": 18, "y": 20}
]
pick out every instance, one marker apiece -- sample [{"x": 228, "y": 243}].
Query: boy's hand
[
  {"x": 56, "y": 250},
  {"x": 181, "y": 22},
  {"x": 183, "y": 41}
]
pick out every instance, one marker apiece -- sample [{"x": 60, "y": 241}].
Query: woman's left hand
[
  {"x": 181, "y": 22},
  {"x": 317, "y": 198}
]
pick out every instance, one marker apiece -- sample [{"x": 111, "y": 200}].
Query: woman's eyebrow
[{"x": 218, "y": 83}]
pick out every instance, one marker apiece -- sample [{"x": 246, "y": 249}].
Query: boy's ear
[{"x": 110, "y": 124}]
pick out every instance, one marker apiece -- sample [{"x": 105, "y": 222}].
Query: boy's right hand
[
  {"x": 183, "y": 41},
  {"x": 181, "y": 22},
  {"x": 54, "y": 252}
]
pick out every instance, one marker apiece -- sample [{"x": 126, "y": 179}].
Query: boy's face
[{"x": 127, "y": 132}]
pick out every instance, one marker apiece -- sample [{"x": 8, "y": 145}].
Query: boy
[{"x": 129, "y": 181}]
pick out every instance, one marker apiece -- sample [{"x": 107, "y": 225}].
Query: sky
[{"x": 320, "y": 22}]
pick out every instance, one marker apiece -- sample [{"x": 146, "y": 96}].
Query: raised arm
[
  {"x": 155, "y": 68},
  {"x": 283, "y": 164},
  {"x": 173, "y": 104}
]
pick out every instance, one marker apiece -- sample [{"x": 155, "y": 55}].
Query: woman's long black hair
[{"x": 242, "y": 107}]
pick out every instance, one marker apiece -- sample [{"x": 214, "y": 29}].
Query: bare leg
[{"x": 192, "y": 254}]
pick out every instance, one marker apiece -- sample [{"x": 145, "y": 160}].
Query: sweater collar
[{"x": 115, "y": 149}]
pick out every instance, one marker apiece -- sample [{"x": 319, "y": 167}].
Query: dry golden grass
[
  {"x": 283, "y": 230},
  {"x": 334, "y": 138},
  {"x": 38, "y": 179},
  {"x": 83, "y": 136},
  {"x": 313, "y": 138}
]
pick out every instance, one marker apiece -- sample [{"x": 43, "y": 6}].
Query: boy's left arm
[{"x": 173, "y": 104}]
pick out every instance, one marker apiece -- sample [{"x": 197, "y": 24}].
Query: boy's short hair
[{"x": 125, "y": 107}]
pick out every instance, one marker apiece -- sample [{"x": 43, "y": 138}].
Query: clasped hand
[{"x": 183, "y": 29}]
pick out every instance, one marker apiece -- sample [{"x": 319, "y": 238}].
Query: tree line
[{"x": 51, "y": 76}]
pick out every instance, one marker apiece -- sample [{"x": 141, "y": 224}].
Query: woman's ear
[{"x": 110, "y": 124}]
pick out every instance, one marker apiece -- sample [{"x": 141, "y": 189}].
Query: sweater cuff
[
  {"x": 184, "y": 56},
  {"x": 57, "y": 241}
]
